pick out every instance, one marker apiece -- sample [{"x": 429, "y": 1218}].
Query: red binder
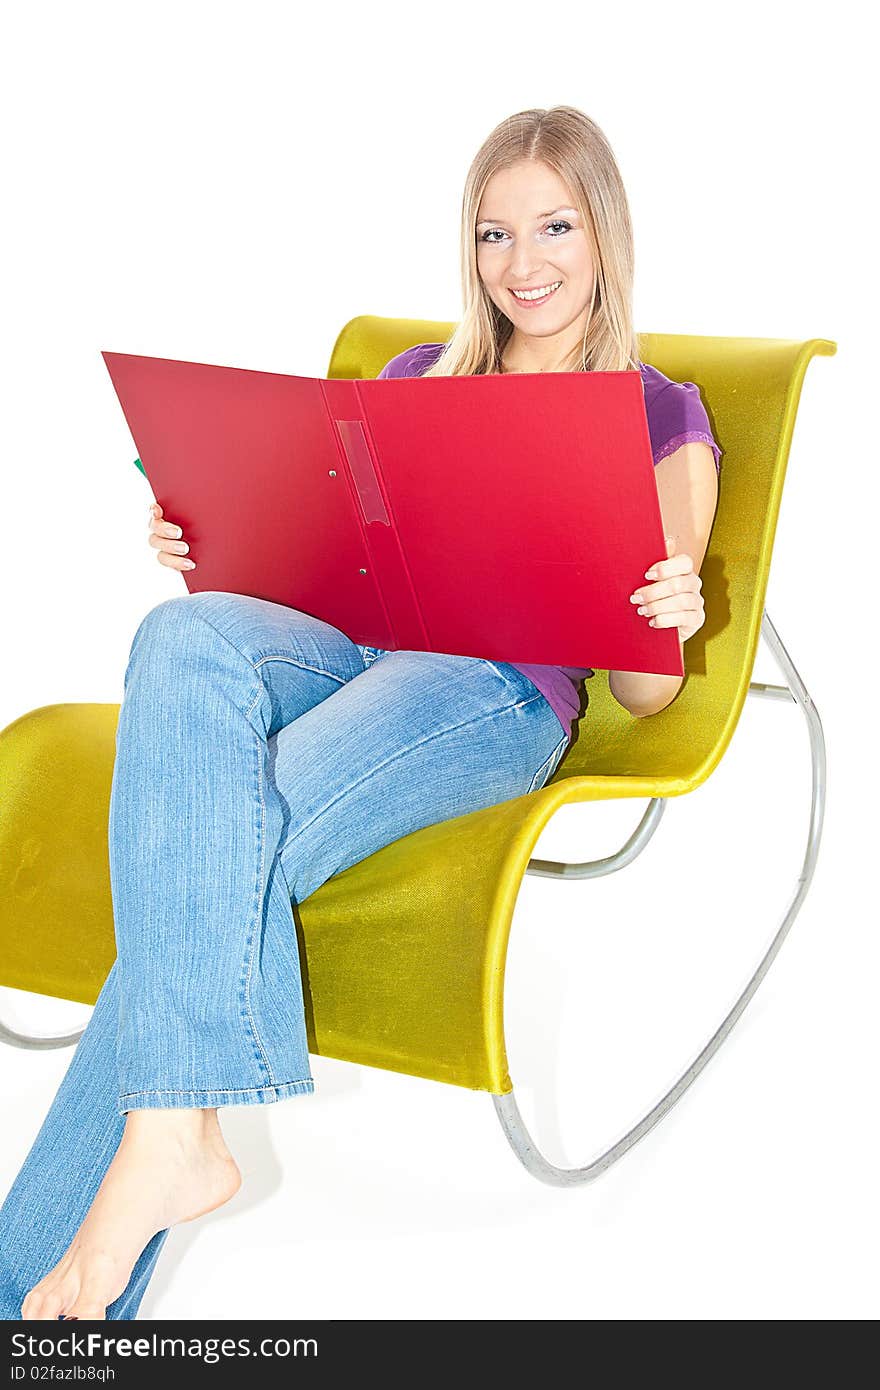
[{"x": 499, "y": 516}]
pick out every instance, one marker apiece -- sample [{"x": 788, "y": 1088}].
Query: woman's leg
[
  {"x": 342, "y": 778},
  {"x": 200, "y": 922},
  {"x": 420, "y": 737},
  {"x": 203, "y": 925},
  {"x": 57, "y": 1183}
]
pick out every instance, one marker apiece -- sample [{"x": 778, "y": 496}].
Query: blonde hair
[{"x": 571, "y": 144}]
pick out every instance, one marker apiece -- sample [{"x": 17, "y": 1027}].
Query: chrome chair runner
[{"x": 506, "y": 1107}]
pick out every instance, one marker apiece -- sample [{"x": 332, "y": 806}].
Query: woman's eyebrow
[{"x": 484, "y": 221}]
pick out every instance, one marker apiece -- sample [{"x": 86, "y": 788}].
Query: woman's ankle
[{"x": 180, "y": 1124}]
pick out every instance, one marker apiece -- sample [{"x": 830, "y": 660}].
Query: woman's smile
[{"x": 531, "y": 298}]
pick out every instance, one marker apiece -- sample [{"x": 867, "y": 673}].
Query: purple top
[{"x": 676, "y": 415}]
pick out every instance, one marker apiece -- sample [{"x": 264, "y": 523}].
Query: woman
[{"x": 260, "y": 751}]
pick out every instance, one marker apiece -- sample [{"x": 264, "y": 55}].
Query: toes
[
  {"x": 40, "y": 1307},
  {"x": 33, "y": 1303},
  {"x": 90, "y": 1304},
  {"x": 48, "y": 1299}
]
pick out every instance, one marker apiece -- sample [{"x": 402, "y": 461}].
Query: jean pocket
[
  {"x": 516, "y": 680},
  {"x": 370, "y": 655},
  {"x": 549, "y": 766}
]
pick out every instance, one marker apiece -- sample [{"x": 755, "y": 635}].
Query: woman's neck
[
  {"x": 510, "y": 369},
  {"x": 539, "y": 355},
  {"x": 528, "y": 352}
]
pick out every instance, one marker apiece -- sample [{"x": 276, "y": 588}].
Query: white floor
[{"x": 383, "y": 1196}]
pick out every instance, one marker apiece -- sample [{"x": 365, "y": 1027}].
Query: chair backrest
[{"x": 751, "y": 389}]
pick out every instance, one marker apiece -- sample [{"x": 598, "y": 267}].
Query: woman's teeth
[{"x": 535, "y": 296}]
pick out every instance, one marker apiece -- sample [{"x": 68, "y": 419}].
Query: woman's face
[{"x": 530, "y": 236}]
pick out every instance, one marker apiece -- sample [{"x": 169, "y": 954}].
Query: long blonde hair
[{"x": 574, "y": 146}]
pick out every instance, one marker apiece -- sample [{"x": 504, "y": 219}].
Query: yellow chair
[{"x": 403, "y": 954}]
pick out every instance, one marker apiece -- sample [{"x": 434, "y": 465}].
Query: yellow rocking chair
[{"x": 403, "y": 954}]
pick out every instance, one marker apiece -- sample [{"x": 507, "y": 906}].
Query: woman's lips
[{"x": 535, "y": 303}]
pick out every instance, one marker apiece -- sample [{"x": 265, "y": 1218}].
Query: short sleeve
[
  {"x": 678, "y": 416},
  {"x": 412, "y": 361}
]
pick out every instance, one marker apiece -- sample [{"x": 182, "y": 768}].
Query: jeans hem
[{"x": 208, "y": 1100}]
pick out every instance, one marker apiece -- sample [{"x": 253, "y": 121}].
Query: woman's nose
[{"x": 525, "y": 263}]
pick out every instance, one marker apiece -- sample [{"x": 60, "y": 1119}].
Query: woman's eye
[{"x": 490, "y": 236}]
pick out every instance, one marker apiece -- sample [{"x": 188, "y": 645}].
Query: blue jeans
[{"x": 259, "y": 751}]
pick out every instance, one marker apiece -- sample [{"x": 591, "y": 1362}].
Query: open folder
[{"x": 500, "y": 516}]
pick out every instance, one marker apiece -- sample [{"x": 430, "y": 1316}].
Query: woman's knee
[
  {"x": 173, "y": 626},
  {"x": 183, "y": 611}
]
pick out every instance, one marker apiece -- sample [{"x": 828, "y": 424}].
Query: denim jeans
[{"x": 259, "y": 751}]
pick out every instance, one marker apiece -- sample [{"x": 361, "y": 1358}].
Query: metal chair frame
[{"x": 521, "y": 1141}]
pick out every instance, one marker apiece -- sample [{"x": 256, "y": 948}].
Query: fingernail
[
  {"x": 189, "y": 564},
  {"x": 650, "y": 574}
]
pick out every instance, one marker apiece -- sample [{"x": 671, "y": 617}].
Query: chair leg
[
  {"x": 595, "y": 868},
  {"x": 506, "y": 1107}
]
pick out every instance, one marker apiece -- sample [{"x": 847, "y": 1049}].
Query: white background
[{"x": 231, "y": 184}]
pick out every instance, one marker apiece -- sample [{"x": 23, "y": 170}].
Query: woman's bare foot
[{"x": 171, "y": 1166}]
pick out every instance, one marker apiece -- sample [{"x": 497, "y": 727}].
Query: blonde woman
[{"x": 260, "y": 751}]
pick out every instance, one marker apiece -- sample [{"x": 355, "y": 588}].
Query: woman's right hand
[{"x": 167, "y": 539}]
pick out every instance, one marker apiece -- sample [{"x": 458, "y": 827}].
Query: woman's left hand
[{"x": 674, "y": 597}]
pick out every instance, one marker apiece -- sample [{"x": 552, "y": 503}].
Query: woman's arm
[{"x": 687, "y": 486}]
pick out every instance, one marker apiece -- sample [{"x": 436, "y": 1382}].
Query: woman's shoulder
[
  {"x": 413, "y": 360},
  {"x": 656, "y": 383},
  {"x": 670, "y": 397},
  {"x": 676, "y": 413}
]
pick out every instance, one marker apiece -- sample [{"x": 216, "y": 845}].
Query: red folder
[{"x": 500, "y": 516}]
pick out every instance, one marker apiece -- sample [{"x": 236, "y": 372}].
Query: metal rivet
[{"x": 332, "y": 472}]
